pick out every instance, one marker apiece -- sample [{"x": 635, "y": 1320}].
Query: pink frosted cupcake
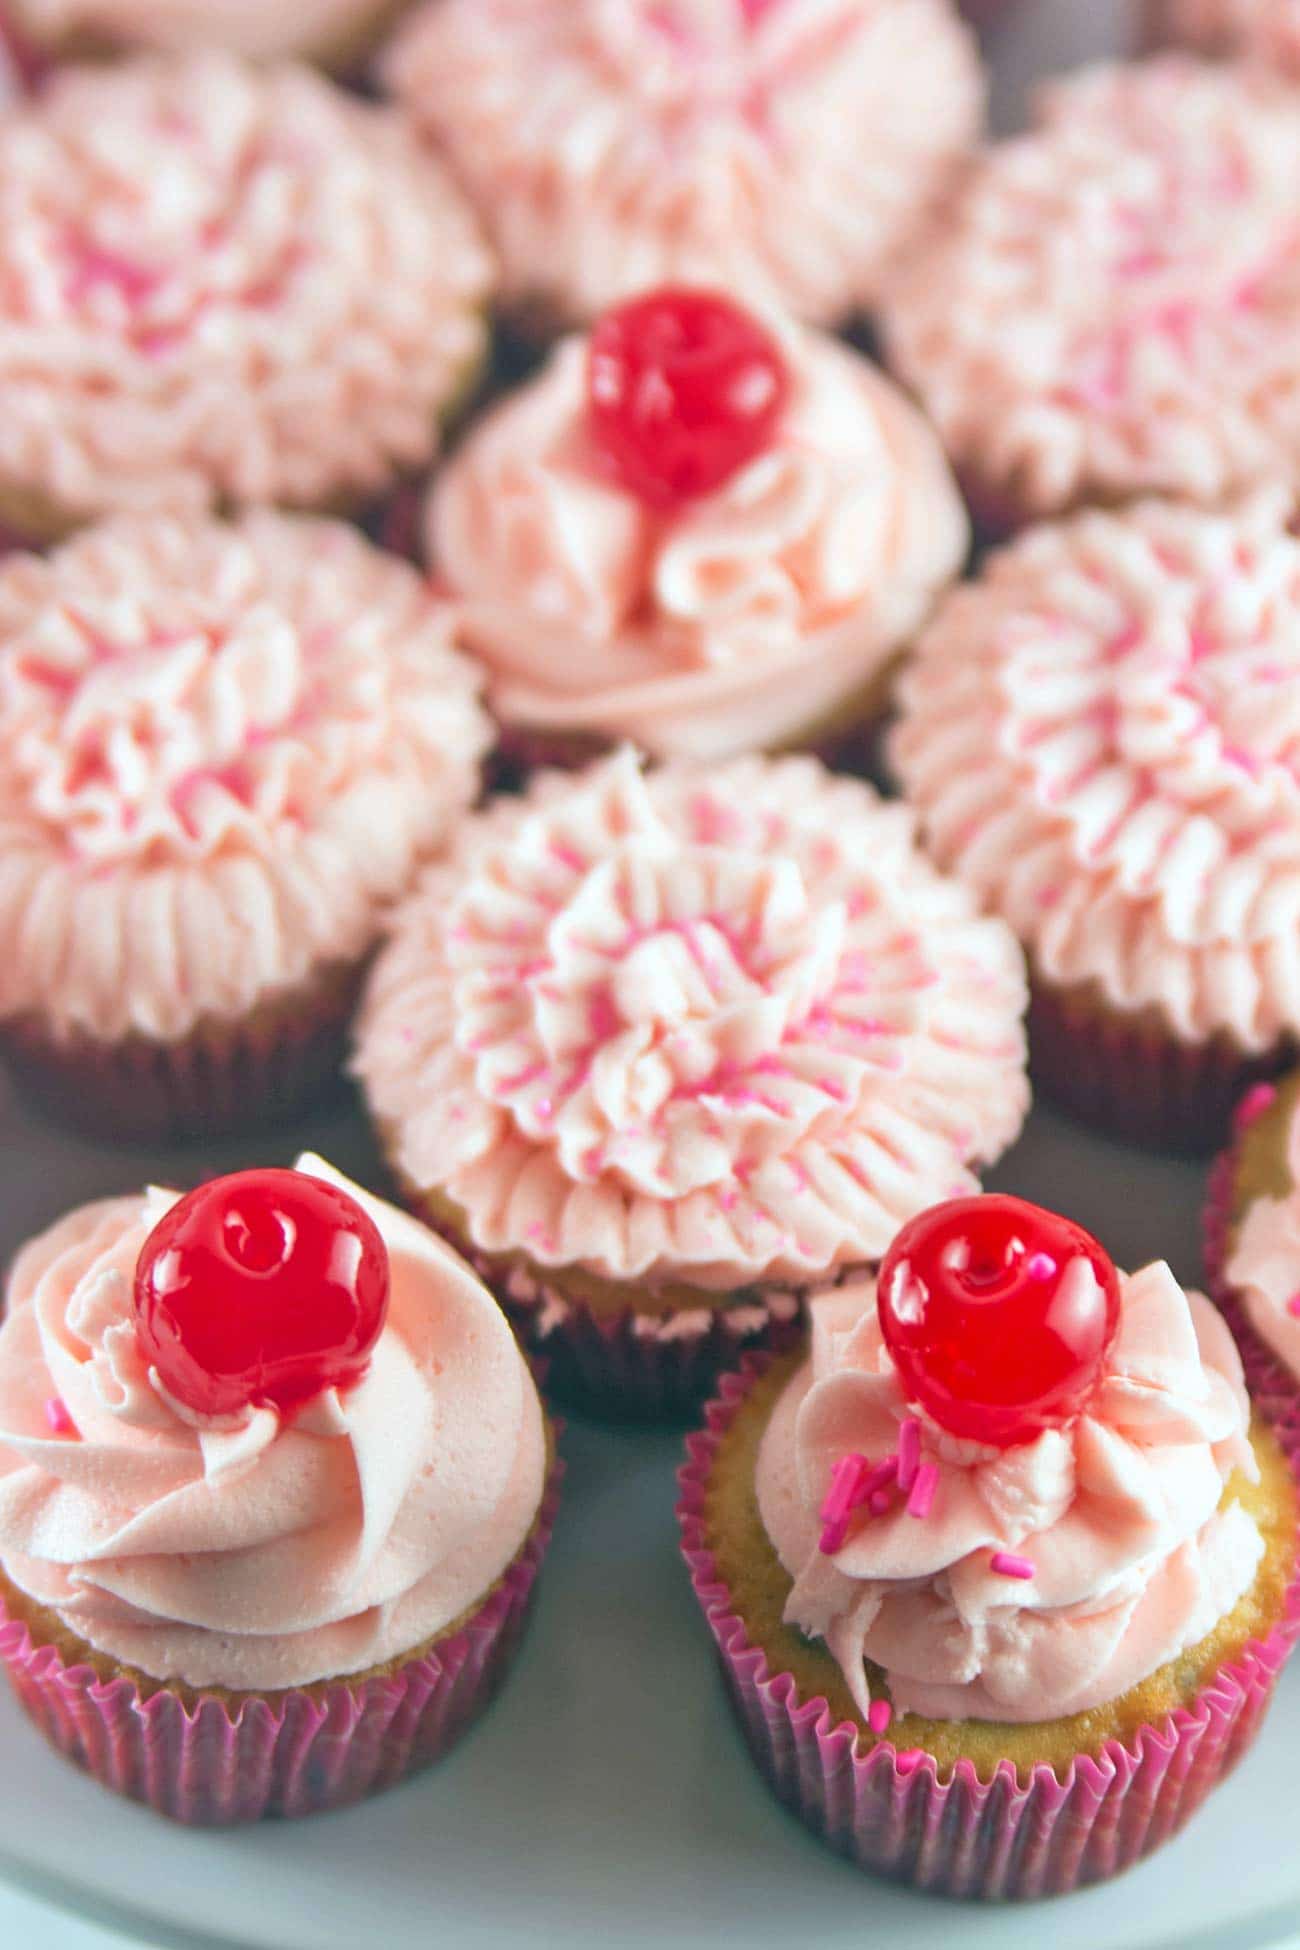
[
  {"x": 734, "y": 569},
  {"x": 1101, "y": 737},
  {"x": 780, "y": 149},
  {"x": 223, "y": 750},
  {"x": 259, "y": 1557},
  {"x": 222, "y": 286},
  {"x": 1111, "y": 306},
  {"x": 1002, "y": 1572},
  {"x": 1269, "y": 29},
  {"x": 1252, "y": 1238},
  {"x": 335, "y": 33},
  {"x": 664, "y": 1053}
]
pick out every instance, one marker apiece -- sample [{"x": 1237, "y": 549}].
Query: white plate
[{"x": 607, "y": 1799}]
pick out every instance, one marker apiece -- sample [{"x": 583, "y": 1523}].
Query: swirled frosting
[
  {"x": 256, "y": 1552},
  {"x": 735, "y": 622},
  {"x": 1263, "y": 1265},
  {"x": 1111, "y": 305},
  {"x": 223, "y": 748},
  {"x": 719, "y": 1025},
  {"x": 782, "y": 150},
  {"x": 319, "y": 29},
  {"x": 220, "y": 284},
  {"x": 1102, "y": 738},
  {"x": 1270, "y": 28},
  {"x": 1118, "y": 1514}
]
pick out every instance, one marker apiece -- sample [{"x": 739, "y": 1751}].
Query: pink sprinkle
[
  {"x": 923, "y": 1489},
  {"x": 56, "y": 1414},
  {"x": 1254, "y": 1104},
  {"x": 881, "y": 1501},
  {"x": 1006, "y": 1565},
  {"x": 882, "y": 1477},
  {"x": 1293, "y": 1305},
  {"x": 909, "y": 1452},
  {"x": 833, "y": 1536},
  {"x": 879, "y": 1714},
  {"x": 850, "y": 1482}
]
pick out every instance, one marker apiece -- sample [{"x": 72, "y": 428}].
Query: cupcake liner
[
  {"x": 891, "y": 1811},
  {"x": 1130, "y": 1076},
  {"x": 223, "y": 1077},
  {"x": 295, "y": 1753}
]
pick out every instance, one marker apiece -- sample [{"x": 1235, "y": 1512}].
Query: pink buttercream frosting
[
  {"x": 1102, "y": 738},
  {"x": 713, "y": 1025},
  {"x": 1263, "y": 1268},
  {"x": 1269, "y": 28},
  {"x": 1116, "y": 1516},
  {"x": 784, "y": 150},
  {"x": 1112, "y": 304},
  {"x": 220, "y": 284},
  {"x": 258, "y": 1552},
  {"x": 250, "y": 27},
  {"x": 734, "y": 623},
  {"x": 223, "y": 749}
]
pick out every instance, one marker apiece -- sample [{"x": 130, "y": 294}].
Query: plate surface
[{"x": 607, "y": 1799}]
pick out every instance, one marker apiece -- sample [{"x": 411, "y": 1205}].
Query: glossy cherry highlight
[
  {"x": 998, "y": 1316},
  {"x": 265, "y": 1287},
  {"x": 683, "y": 389}
]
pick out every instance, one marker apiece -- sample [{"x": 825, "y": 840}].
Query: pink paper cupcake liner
[
  {"x": 307, "y": 1752},
  {"x": 892, "y": 1812}
]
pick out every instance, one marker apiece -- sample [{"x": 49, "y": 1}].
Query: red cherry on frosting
[
  {"x": 683, "y": 389},
  {"x": 998, "y": 1316},
  {"x": 264, "y": 1287}
]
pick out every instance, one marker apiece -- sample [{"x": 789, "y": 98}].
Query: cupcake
[
  {"x": 1267, "y": 28},
  {"x": 662, "y": 1054},
  {"x": 1110, "y": 306},
  {"x": 274, "y": 1490},
  {"x": 780, "y": 149},
  {"x": 1252, "y": 1238},
  {"x": 222, "y": 286},
  {"x": 734, "y": 568},
  {"x": 1000, "y": 1569},
  {"x": 1101, "y": 737},
  {"x": 335, "y": 33},
  {"x": 224, "y": 749}
]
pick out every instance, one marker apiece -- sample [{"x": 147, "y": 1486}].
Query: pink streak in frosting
[
  {"x": 1047, "y": 1578},
  {"x": 710, "y": 1109},
  {"x": 259, "y": 1554},
  {"x": 745, "y": 618}
]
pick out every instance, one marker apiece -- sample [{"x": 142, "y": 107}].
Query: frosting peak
[{"x": 1118, "y": 1516}]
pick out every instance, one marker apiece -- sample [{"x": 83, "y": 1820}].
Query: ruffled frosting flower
[
  {"x": 1263, "y": 1266},
  {"x": 1102, "y": 737},
  {"x": 222, "y": 749},
  {"x": 1118, "y": 1514},
  {"x": 222, "y": 285},
  {"x": 1111, "y": 306},
  {"x": 724, "y": 1026},
  {"x": 782, "y": 151},
  {"x": 260, "y": 1552},
  {"x": 325, "y": 30},
  {"x": 740, "y": 620},
  {"x": 1268, "y": 28}
]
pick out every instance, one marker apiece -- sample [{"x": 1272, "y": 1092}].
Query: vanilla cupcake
[
  {"x": 783, "y": 150},
  {"x": 662, "y": 1054},
  {"x": 335, "y": 33},
  {"x": 1269, "y": 29},
  {"x": 260, "y": 1558},
  {"x": 735, "y": 569},
  {"x": 224, "y": 749},
  {"x": 1001, "y": 1569},
  {"x": 222, "y": 286},
  {"x": 1110, "y": 306},
  {"x": 1252, "y": 1239},
  {"x": 1101, "y": 738}
]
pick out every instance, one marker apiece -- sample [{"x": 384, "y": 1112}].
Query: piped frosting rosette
[
  {"x": 738, "y": 620},
  {"x": 220, "y": 285},
  {"x": 707, "y": 1032},
  {"x": 223, "y": 1588},
  {"x": 225, "y": 748},
  {"x": 1102, "y": 737},
  {"x": 1109, "y": 308},
  {"x": 780, "y": 151},
  {"x": 1266, "y": 28}
]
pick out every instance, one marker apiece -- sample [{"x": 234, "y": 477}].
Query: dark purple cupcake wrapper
[
  {"x": 293, "y": 1753},
  {"x": 895, "y": 1813}
]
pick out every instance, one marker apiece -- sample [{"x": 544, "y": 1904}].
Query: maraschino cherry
[
  {"x": 998, "y": 1316},
  {"x": 683, "y": 389},
  {"x": 261, "y": 1288}
]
